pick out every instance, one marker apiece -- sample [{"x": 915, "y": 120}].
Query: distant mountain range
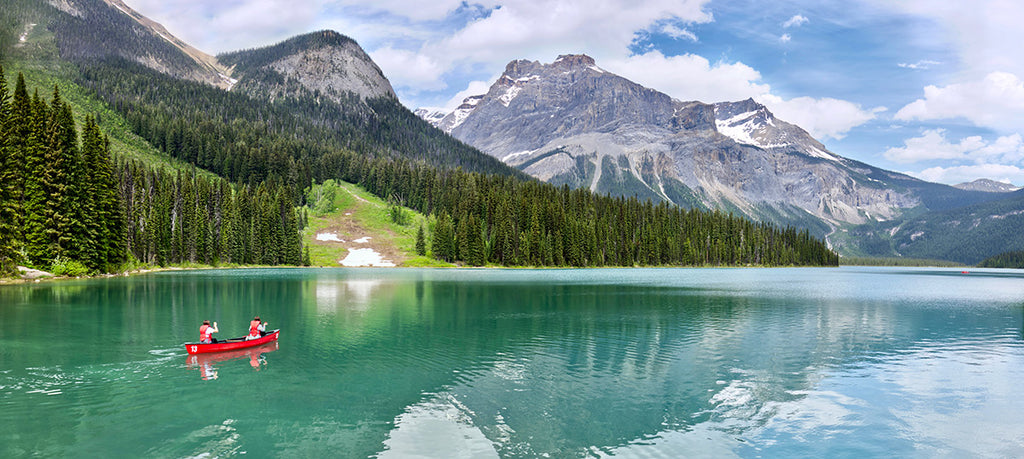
[
  {"x": 986, "y": 185},
  {"x": 572, "y": 122}
]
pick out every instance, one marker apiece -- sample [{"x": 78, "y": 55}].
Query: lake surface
[{"x": 843, "y": 362}]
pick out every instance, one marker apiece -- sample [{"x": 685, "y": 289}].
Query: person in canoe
[
  {"x": 257, "y": 328},
  {"x": 206, "y": 332}
]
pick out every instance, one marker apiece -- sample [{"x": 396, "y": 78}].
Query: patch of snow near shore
[
  {"x": 328, "y": 237},
  {"x": 365, "y": 257},
  {"x": 362, "y": 240}
]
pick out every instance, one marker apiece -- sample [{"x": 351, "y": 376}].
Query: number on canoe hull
[{"x": 195, "y": 348}]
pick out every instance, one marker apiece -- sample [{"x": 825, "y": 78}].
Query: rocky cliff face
[
  {"x": 571, "y": 122},
  {"x": 323, "y": 64}
]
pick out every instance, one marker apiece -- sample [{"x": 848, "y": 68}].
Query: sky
[{"x": 931, "y": 88}]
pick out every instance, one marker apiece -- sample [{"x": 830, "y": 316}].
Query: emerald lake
[{"x": 795, "y": 362}]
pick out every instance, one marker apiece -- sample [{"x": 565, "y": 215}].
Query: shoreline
[{"x": 47, "y": 277}]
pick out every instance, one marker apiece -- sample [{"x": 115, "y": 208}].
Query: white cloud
[
  {"x": 216, "y": 27},
  {"x": 543, "y": 30},
  {"x": 674, "y": 31},
  {"x": 919, "y": 65},
  {"x": 971, "y": 157},
  {"x": 795, "y": 21},
  {"x": 785, "y": 38},
  {"x": 822, "y": 118},
  {"x": 417, "y": 11},
  {"x": 932, "y": 145},
  {"x": 475, "y": 88},
  {"x": 969, "y": 173},
  {"x": 689, "y": 77},
  {"x": 997, "y": 102},
  {"x": 985, "y": 34},
  {"x": 409, "y": 69}
]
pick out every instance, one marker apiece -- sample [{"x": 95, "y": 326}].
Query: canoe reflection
[{"x": 207, "y": 364}]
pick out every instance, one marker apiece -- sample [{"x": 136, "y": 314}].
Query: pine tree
[
  {"x": 106, "y": 225},
  {"x": 9, "y": 185},
  {"x": 421, "y": 243}
]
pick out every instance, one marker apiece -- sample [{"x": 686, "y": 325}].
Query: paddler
[
  {"x": 256, "y": 328},
  {"x": 206, "y": 332}
]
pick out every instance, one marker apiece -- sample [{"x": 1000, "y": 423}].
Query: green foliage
[
  {"x": 398, "y": 213},
  {"x": 68, "y": 267},
  {"x": 1014, "y": 259},
  {"x": 320, "y": 197},
  {"x": 893, "y": 261}
]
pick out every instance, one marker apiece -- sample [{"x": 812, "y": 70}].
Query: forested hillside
[
  {"x": 1013, "y": 259},
  {"x": 64, "y": 204},
  {"x": 962, "y": 234},
  {"x": 246, "y": 139}
]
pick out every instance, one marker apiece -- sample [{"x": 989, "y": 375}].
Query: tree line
[
  {"x": 64, "y": 202},
  {"x": 58, "y": 196},
  {"x": 1013, "y": 259},
  {"x": 488, "y": 219}
]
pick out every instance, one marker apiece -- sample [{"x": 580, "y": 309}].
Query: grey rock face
[
  {"x": 322, "y": 64},
  {"x": 335, "y": 71},
  {"x": 572, "y": 122}
]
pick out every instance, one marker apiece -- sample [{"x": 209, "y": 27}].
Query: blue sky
[{"x": 930, "y": 88}]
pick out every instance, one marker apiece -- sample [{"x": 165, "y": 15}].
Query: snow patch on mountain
[
  {"x": 740, "y": 128},
  {"x": 431, "y": 115},
  {"x": 460, "y": 114},
  {"x": 509, "y": 94}
]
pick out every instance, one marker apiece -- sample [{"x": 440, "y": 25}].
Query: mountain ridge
[
  {"x": 571, "y": 119},
  {"x": 324, "y": 63}
]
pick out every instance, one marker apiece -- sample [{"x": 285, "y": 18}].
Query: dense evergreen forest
[
  {"x": 1013, "y": 260},
  {"x": 64, "y": 204}
]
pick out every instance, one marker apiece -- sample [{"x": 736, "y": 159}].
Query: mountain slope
[
  {"x": 967, "y": 234},
  {"x": 571, "y": 122},
  {"x": 93, "y": 29}
]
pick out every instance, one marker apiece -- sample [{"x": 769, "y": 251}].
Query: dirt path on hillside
[{"x": 344, "y": 232}]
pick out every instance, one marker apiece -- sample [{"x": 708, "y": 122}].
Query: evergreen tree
[
  {"x": 10, "y": 178},
  {"x": 421, "y": 244},
  {"x": 106, "y": 223}
]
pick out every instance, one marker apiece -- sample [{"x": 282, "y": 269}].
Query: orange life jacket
[
  {"x": 204, "y": 333},
  {"x": 253, "y": 330}
]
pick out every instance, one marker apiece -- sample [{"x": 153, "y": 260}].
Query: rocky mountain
[
  {"x": 571, "y": 122},
  {"x": 431, "y": 115},
  {"x": 988, "y": 186},
  {"x": 324, "y": 64},
  {"x": 99, "y": 29}
]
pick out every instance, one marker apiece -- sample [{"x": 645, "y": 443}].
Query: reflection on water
[
  {"x": 521, "y": 363},
  {"x": 332, "y": 294},
  {"x": 208, "y": 363}
]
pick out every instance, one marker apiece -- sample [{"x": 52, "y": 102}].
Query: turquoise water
[{"x": 854, "y": 362}]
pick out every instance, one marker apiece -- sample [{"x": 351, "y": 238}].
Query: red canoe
[{"x": 231, "y": 344}]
